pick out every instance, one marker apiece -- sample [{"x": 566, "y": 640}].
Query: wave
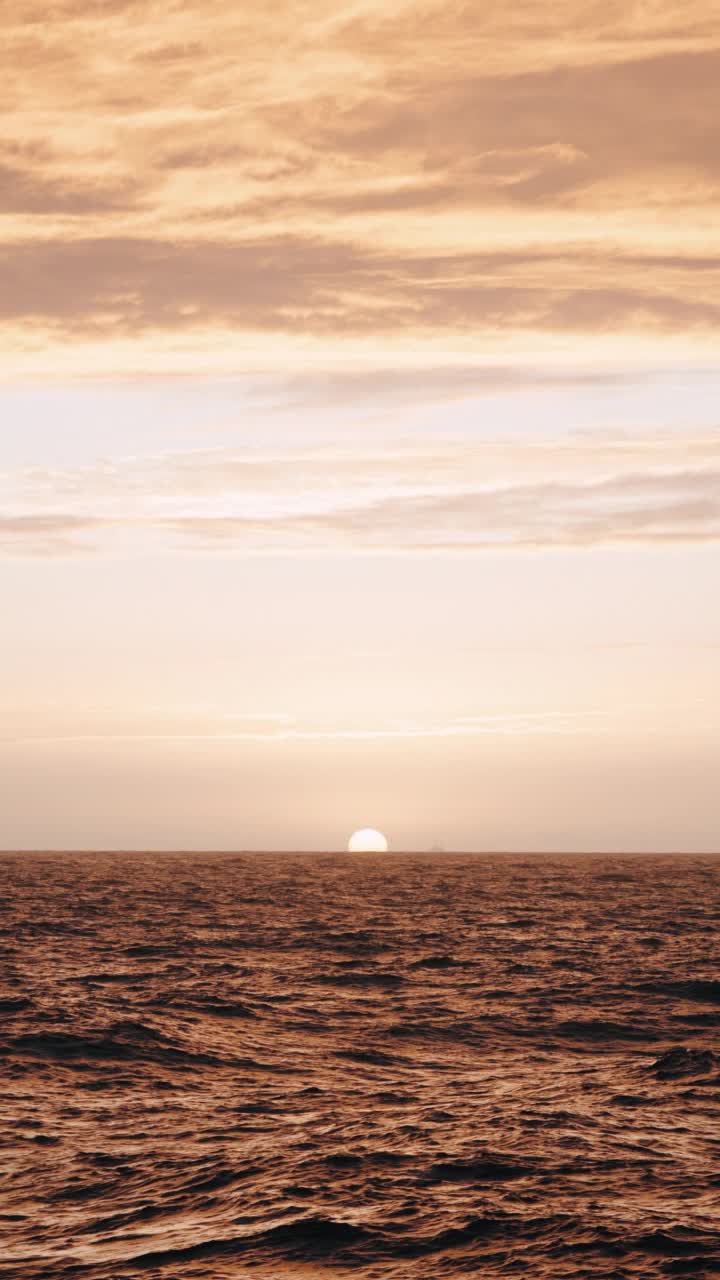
[
  {"x": 384, "y": 981},
  {"x": 680, "y": 1061},
  {"x": 703, "y": 989},
  {"x": 488, "y": 1168},
  {"x": 121, "y": 1042}
]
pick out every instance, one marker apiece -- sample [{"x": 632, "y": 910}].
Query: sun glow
[{"x": 367, "y": 841}]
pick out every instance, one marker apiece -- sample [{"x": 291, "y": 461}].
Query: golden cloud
[{"x": 359, "y": 169}]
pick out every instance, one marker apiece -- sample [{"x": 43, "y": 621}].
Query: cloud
[
  {"x": 444, "y": 496},
  {"x": 681, "y": 507},
  {"x": 47, "y": 535},
  {"x": 104, "y": 729},
  {"x": 416, "y": 169},
  {"x": 123, "y": 286},
  {"x": 603, "y": 121},
  {"x": 26, "y": 190}
]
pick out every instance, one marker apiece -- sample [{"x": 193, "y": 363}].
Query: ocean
[{"x": 431, "y": 1065}]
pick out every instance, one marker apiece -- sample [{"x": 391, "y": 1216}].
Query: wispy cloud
[
  {"x": 442, "y": 495},
  {"x": 641, "y": 508},
  {"x": 549, "y": 722}
]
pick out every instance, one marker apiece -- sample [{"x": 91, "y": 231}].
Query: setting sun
[{"x": 367, "y": 840}]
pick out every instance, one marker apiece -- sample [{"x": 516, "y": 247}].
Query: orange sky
[{"x": 359, "y": 440}]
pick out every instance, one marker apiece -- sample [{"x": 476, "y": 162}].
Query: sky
[{"x": 360, "y": 424}]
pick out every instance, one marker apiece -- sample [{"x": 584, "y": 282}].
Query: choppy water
[{"x": 276, "y": 1066}]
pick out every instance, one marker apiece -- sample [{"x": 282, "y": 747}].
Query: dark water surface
[{"x": 295, "y": 1065}]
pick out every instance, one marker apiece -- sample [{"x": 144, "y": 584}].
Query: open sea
[{"x": 435, "y": 1065}]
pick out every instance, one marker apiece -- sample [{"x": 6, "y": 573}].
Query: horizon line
[{"x": 502, "y": 853}]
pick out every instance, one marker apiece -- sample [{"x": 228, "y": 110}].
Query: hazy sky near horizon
[{"x": 360, "y": 424}]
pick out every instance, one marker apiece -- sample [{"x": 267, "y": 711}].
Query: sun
[{"x": 367, "y": 841}]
